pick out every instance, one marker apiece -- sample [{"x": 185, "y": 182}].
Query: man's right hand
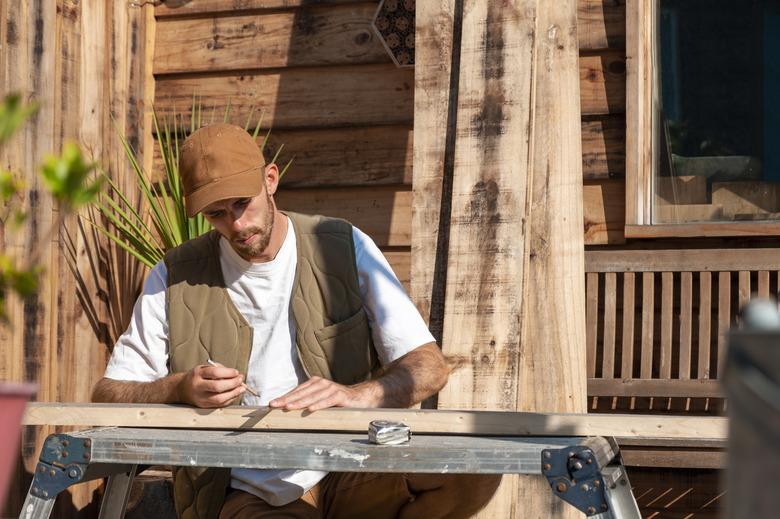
[{"x": 211, "y": 386}]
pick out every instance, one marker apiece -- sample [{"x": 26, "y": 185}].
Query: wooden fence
[{"x": 84, "y": 64}]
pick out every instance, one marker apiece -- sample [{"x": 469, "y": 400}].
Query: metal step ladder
[{"x": 587, "y": 473}]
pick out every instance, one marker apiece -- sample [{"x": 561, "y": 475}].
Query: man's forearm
[
  {"x": 411, "y": 379},
  {"x": 161, "y": 391}
]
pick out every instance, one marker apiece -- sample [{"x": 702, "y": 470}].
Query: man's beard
[{"x": 260, "y": 243}]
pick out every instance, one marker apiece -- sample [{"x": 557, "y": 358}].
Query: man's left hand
[{"x": 319, "y": 393}]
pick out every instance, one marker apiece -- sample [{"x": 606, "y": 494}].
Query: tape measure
[{"x": 385, "y": 432}]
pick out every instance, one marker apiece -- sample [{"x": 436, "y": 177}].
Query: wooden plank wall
[
  {"x": 507, "y": 162},
  {"x": 83, "y": 62},
  {"x": 326, "y": 87},
  {"x": 602, "y": 34},
  {"x": 345, "y": 113}
]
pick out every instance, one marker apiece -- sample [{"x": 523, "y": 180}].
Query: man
[{"x": 304, "y": 310}]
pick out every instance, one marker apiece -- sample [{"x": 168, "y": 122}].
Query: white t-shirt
[{"x": 261, "y": 292}]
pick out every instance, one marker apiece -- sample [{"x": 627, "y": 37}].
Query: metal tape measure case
[{"x": 385, "y": 432}]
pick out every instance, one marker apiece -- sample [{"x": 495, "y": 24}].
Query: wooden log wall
[
  {"x": 345, "y": 113},
  {"x": 83, "y": 62},
  {"x": 324, "y": 84}
]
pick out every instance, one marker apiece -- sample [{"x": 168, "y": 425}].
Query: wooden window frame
[{"x": 642, "y": 114}]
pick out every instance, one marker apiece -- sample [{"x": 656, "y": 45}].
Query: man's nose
[{"x": 237, "y": 223}]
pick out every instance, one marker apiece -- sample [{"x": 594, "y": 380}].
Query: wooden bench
[{"x": 657, "y": 323}]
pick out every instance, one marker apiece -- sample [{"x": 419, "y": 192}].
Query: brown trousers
[{"x": 355, "y": 495}]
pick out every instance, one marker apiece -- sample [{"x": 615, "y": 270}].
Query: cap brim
[{"x": 245, "y": 184}]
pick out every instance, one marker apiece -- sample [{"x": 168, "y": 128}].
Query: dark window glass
[{"x": 719, "y": 126}]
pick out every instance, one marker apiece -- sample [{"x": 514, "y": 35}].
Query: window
[{"x": 703, "y": 117}]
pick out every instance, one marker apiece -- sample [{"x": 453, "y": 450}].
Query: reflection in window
[{"x": 719, "y": 127}]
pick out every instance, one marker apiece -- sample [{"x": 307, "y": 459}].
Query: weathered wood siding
[
  {"x": 497, "y": 220},
  {"x": 83, "y": 63},
  {"x": 320, "y": 78},
  {"x": 345, "y": 113}
]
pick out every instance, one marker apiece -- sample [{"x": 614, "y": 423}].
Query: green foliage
[
  {"x": 67, "y": 177},
  {"x": 158, "y": 223},
  {"x": 64, "y": 176},
  {"x": 12, "y": 114}
]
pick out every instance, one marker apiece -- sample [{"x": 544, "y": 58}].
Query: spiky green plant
[{"x": 167, "y": 225}]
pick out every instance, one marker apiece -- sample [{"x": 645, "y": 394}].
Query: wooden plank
[
  {"x": 380, "y": 155},
  {"x": 640, "y": 101},
  {"x": 603, "y": 147},
  {"x": 592, "y": 320},
  {"x": 604, "y": 212},
  {"x": 674, "y": 443},
  {"x": 705, "y": 315},
  {"x": 383, "y": 155},
  {"x": 724, "y": 315},
  {"x": 610, "y": 318},
  {"x": 667, "y": 307},
  {"x": 212, "y": 7},
  {"x": 629, "y": 312},
  {"x": 648, "y": 314},
  {"x": 317, "y": 35},
  {"x": 309, "y": 97},
  {"x": 665, "y": 388},
  {"x": 421, "y": 421},
  {"x": 516, "y": 224},
  {"x": 383, "y": 213},
  {"x": 339, "y": 157},
  {"x": 681, "y": 260},
  {"x": 37, "y": 135},
  {"x": 130, "y": 95},
  {"x": 12, "y": 69},
  {"x": 703, "y": 230},
  {"x": 149, "y": 84},
  {"x": 366, "y": 94},
  {"x": 674, "y": 457},
  {"x": 601, "y": 24},
  {"x": 744, "y": 289},
  {"x": 81, "y": 352},
  {"x": 23, "y": 70},
  {"x": 488, "y": 206},
  {"x": 553, "y": 272},
  {"x": 603, "y": 82},
  {"x": 763, "y": 284},
  {"x": 435, "y": 106},
  {"x": 686, "y": 324},
  {"x": 98, "y": 79},
  {"x": 227, "y": 44}
]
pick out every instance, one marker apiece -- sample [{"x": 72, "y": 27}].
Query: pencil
[{"x": 255, "y": 393}]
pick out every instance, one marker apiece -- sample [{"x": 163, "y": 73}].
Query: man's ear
[{"x": 271, "y": 176}]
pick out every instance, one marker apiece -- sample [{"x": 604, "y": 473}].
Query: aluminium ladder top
[{"x": 585, "y": 472}]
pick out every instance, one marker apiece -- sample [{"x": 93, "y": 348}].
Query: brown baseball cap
[{"x": 219, "y": 161}]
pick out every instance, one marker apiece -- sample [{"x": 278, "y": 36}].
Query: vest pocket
[{"x": 346, "y": 346}]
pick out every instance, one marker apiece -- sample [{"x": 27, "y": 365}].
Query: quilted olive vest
[{"x": 332, "y": 334}]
